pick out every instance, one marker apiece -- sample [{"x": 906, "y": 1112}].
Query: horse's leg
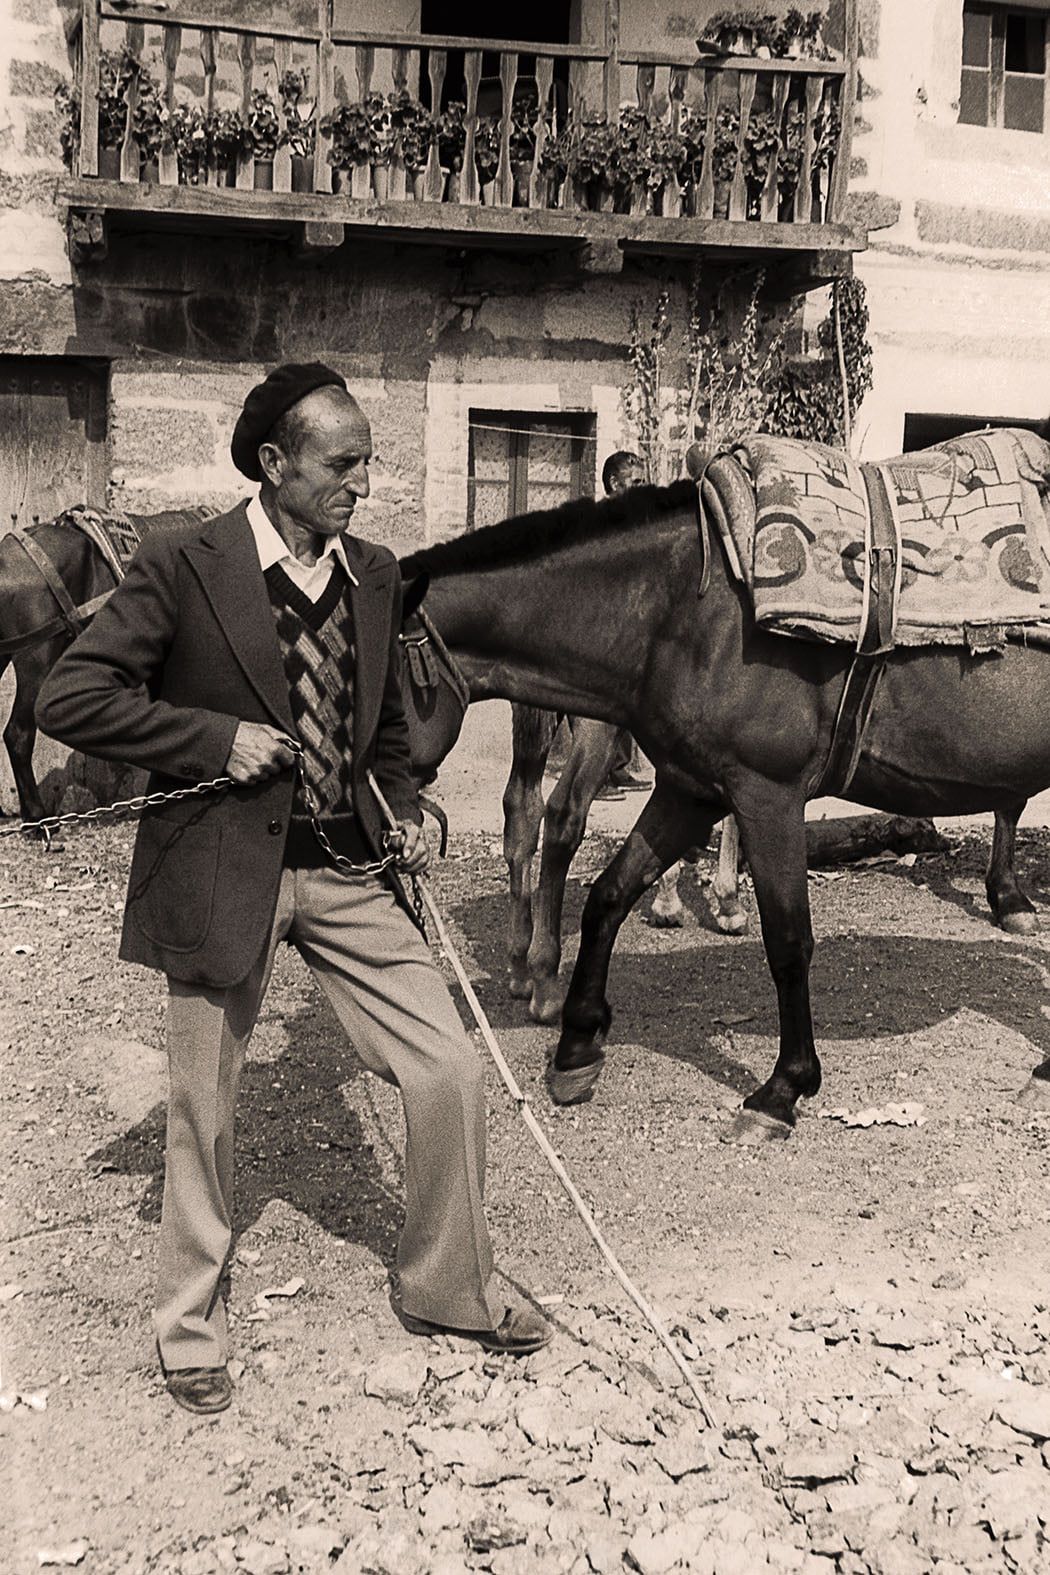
[
  {"x": 670, "y": 823},
  {"x": 774, "y": 839},
  {"x": 727, "y": 910},
  {"x": 594, "y": 746},
  {"x": 1010, "y": 907},
  {"x": 31, "y": 668},
  {"x": 667, "y": 911},
  {"x": 533, "y": 731}
]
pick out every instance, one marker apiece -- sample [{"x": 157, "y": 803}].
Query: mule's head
[{"x": 435, "y": 694}]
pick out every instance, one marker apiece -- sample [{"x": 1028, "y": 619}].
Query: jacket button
[{"x": 275, "y": 828}]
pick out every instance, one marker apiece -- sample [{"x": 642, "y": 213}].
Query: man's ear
[{"x": 271, "y": 463}]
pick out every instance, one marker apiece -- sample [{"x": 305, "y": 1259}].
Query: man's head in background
[{"x": 622, "y": 471}]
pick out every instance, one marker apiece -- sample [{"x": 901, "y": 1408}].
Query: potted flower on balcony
[
  {"x": 350, "y": 128},
  {"x": 148, "y": 125},
  {"x": 418, "y": 135},
  {"x": 300, "y": 127},
  {"x": 727, "y": 132},
  {"x": 187, "y": 138},
  {"x": 487, "y": 140},
  {"x": 115, "y": 71},
  {"x": 665, "y": 151},
  {"x": 594, "y": 163},
  {"x": 555, "y": 163},
  {"x": 630, "y": 163},
  {"x": 522, "y": 152},
  {"x": 450, "y": 130},
  {"x": 745, "y": 31},
  {"x": 226, "y": 140},
  {"x": 262, "y": 130},
  {"x": 789, "y": 158},
  {"x": 384, "y": 142},
  {"x": 801, "y": 35},
  {"x": 760, "y": 146},
  {"x": 692, "y": 130}
]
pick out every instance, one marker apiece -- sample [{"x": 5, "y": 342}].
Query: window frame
[
  {"x": 521, "y": 426},
  {"x": 996, "y": 72}
]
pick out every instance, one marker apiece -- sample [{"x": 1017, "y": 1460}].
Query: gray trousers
[{"x": 378, "y": 975}]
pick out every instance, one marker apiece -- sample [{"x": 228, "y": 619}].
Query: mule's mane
[{"x": 530, "y": 536}]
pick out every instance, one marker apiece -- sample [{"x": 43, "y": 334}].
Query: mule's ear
[{"x": 413, "y": 592}]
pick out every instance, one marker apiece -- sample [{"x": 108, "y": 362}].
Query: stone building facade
[{"x": 490, "y": 376}]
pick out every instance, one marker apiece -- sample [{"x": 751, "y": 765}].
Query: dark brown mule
[{"x": 593, "y": 609}]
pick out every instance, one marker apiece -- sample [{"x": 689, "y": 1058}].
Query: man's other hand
[
  {"x": 415, "y": 855},
  {"x": 258, "y": 751}
]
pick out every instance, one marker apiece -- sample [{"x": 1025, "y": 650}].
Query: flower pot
[
  {"x": 109, "y": 163},
  {"x": 381, "y": 181},
  {"x": 454, "y": 190},
  {"x": 722, "y": 193},
  {"x": 302, "y": 172},
  {"x": 639, "y": 197},
  {"x": 361, "y": 181},
  {"x": 417, "y": 181},
  {"x": 522, "y": 181},
  {"x": 579, "y": 193},
  {"x": 671, "y": 199},
  {"x": 603, "y": 197},
  {"x": 793, "y": 47},
  {"x": 397, "y": 189},
  {"x": 150, "y": 175},
  {"x": 263, "y": 176},
  {"x": 488, "y": 193}
]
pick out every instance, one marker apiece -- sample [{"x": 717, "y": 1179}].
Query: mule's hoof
[
  {"x": 1035, "y": 1094},
  {"x": 520, "y": 986},
  {"x": 1020, "y": 923},
  {"x": 575, "y": 1085},
  {"x": 751, "y": 1127},
  {"x": 732, "y": 923},
  {"x": 546, "y": 1002},
  {"x": 666, "y": 921}
]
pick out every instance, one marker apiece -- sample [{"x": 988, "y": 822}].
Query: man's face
[
  {"x": 624, "y": 480},
  {"x": 319, "y": 484}
]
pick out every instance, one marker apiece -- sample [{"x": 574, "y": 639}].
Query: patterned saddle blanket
[
  {"x": 970, "y": 520},
  {"x": 116, "y": 536}
]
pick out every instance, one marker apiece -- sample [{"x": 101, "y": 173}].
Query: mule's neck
[{"x": 569, "y": 630}]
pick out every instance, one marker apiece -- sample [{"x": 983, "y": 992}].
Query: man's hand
[
  {"x": 415, "y": 855},
  {"x": 258, "y": 751}
]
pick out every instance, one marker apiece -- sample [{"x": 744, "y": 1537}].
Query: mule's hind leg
[
  {"x": 667, "y": 911},
  {"x": 1010, "y": 907},
  {"x": 774, "y": 838},
  {"x": 670, "y": 823},
  {"x": 728, "y": 912},
  {"x": 594, "y": 745},
  {"x": 533, "y": 733}
]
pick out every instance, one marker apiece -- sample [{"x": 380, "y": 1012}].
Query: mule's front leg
[
  {"x": 728, "y": 912},
  {"x": 774, "y": 839},
  {"x": 593, "y": 747},
  {"x": 670, "y": 823}
]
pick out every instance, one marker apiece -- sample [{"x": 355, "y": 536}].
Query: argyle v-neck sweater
[{"x": 317, "y": 648}]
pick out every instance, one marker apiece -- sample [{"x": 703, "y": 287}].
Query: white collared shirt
[{"x": 312, "y": 579}]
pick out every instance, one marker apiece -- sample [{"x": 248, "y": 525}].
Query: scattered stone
[
  {"x": 488, "y": 1532},
  {"x": 397, "y": 1379},
  {"x": 262, "y": 1558},
  {"x": 652, "y": 1553},
  {"x": 827, "y": 1463},
  {"x": 1026, "y": 1409},
  {"x": 682, "y": 1452}
]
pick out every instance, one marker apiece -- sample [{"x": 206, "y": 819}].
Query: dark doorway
[
  {"x": 546, "y": 22},
  {"x": 922, "y": 431}
]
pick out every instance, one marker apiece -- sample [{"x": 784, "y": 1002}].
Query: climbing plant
[{"x": 819, "y": 399}]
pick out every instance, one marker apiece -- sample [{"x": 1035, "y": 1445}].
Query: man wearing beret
[{"x": 262, "y": 646}]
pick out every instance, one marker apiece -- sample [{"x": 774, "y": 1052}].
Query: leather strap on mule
[{"x": 881, "y": 589}]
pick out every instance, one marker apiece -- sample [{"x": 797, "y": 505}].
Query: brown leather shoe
[
  {"x": 200, "y": 1389},
  {"x": 521, "y": 1331}
]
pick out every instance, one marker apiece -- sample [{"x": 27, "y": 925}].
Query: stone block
[
  {"x": 941, "y": 223},
  {"x": 150, "y": 442},
  {"x": 33, "y": 79},
  {"x": 870, "y": 210},
  {"x": 42, "y": 129}
]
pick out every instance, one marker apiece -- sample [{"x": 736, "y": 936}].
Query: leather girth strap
[
  {"x": 875, "y": 643},
  {"x": 45, "y": 567}
]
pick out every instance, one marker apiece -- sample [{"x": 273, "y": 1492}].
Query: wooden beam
[
  {"x": 321, "y": 236},
  {"x": 86, "y": 235},
  {"x": 89, "y": 73},
  {"x": 611, "y": 73}
]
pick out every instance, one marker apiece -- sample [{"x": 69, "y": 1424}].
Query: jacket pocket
[{"x": 172, "y": 895}]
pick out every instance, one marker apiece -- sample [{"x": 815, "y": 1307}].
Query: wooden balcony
[{"x": 461, "y": 141}]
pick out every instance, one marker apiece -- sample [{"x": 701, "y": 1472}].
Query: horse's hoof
[
  {"x": 1020, "y": 923},
  {"x": 751, "y": 1127},
  {"x": 666, "y": 921},
  {"x": 520, "y": 986},
  {"x": 1035, "y": 1094},
  {"x": 575, "y": 1085},
  {"x": 732, "y": 923},
  {"x": 546, "y": 1002}
]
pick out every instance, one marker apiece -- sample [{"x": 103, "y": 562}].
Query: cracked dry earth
[{"x": 867, "y": 1307}]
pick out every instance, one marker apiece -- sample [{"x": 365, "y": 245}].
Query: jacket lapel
[{"x": 225, "y": 560}]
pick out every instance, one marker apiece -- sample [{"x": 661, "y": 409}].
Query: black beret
[{"x": 267, "y": 403}]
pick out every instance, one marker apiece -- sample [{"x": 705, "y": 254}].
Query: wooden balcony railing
[{"x": 403, "y": 118}]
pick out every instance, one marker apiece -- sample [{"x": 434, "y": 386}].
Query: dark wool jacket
[{"x": 183, "y": 650}]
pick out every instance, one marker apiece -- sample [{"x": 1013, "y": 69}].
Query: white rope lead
[{"x": 541, "y": 1140}]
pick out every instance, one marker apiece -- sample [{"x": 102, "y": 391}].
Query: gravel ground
[{"x": 866, "y": 1306}]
